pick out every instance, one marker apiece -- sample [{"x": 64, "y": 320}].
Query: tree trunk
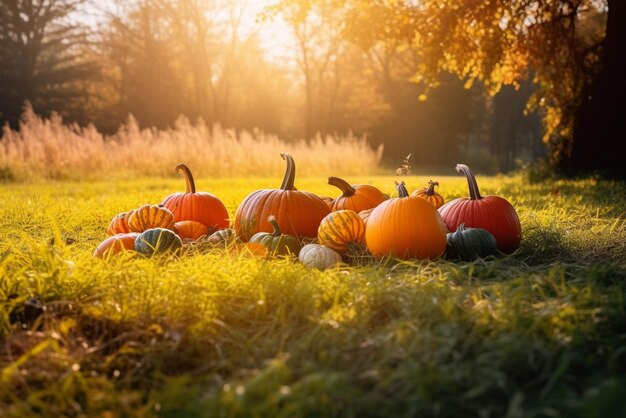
[{"x": 599, "y": 130}]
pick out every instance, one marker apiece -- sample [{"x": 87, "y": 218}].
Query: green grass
[{"x": 539, "y": 333}]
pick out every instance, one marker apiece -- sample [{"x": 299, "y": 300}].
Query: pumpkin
[
  {"x": 357, "y": 197},
  {"x": 276, "y": 242},
  {"x": 319, "y": 256},
  {"x": 190, "y": 230},
  {"x": 297, "y": 212},
  {"x": 157, "y": 241},
  {"x": 150, "y": 216},
  {"x": 328, "y": 200},
  {"x": 493, "y": 213},
  {"x": 341, "y": 230},
  {"x": 365, "y": 215},
  {"x": 201, "y": 207},
  {"x": 119, "y": 223},
  {"x": 405, "y": 227},
  {"x": 222, "y": 236},
  {"x": 469, "y": 243},
  {"x": 430, "y": 194},
  {"x": 115, "y": 244}
]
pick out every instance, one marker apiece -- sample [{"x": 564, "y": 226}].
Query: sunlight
[{"x": 274, "y": 35}]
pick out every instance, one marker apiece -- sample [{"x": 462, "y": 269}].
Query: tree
[
  {"x": 41, "y": 59},
  {"x": 578, "y": 65}
]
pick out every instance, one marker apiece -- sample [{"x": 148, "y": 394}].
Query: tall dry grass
[{"x": 48, "y": 148}]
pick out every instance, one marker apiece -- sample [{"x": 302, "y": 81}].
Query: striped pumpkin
[
  {"x": 119, "y": 223},
  {"x": 341, "y": 229},
  {"x": 151, "y": 216}
]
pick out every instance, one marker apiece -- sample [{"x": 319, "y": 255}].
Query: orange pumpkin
[
  {"x": 190, "y": 229},
  {"x": 365, "y": 215},
  {"x": 149, "y": 217},
  {"x": 115, "y": 244},
  {"x": 329, "y": 201},
  {"x": 406, "y": 227},
  {"x": 357, "y": 197},
  {"x": 298, "y": 213},
  {"x": 430, "y": 194},
  {"x": 201, "y": 207},
  {"x": 341, "y": 229},
  {"x": 119, "y": 223}
]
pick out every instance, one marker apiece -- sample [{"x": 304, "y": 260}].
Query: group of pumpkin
[{"x": 279, "y": 220}]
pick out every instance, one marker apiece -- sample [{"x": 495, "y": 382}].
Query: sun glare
[{"x": 274, "y": 34}]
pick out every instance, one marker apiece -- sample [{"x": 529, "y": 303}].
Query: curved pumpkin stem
[
  {"x": 343, "y": 185},
  {"x": 431, "y": 187},
  {"x": 276, "y": 228},
  {"x": 191, "y": 184},
  {"x": 471, "y": 181},
  {"x": 402, "y": 191},
  {"x": 290, "y": 173}
]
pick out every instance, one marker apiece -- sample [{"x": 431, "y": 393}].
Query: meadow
[{"x": 218, "y": 333}]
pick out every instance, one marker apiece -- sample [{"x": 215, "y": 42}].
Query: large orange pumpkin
[
  {"x": 115, "y": 244},
  {"x": 430, "y": 194},
  {"x": 493, "y": 213},
  {"x": 406, "y": 227},
  {"x": 357, "y": 197},
  {"x": 298, "y": 213},
  {"x": 341, "y": 229},
  {"x": 201, "y": 207}
]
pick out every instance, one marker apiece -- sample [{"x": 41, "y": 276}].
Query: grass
[
  {"x": 48, "y": 149},
  {"x": 539, "y": 333}
]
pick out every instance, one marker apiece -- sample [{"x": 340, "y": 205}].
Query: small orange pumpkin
[
  {"x": 328, "y": 200},
  {"x": 297, "y": 212},
  {"x": 430, "y": 194},
  {"x": 406, "y": 227},
  {"x": 190, "y": 229},
  {"x": 149, "y": 217},
  {"x": 341, "y": 229},
  {"x": 365, "y": 215},
  {"x": 201, "y": 207},
  {"x": 115, "y": 244},
  {"x": 357, "y": 197},
  {"x": 119, "y": 223}
]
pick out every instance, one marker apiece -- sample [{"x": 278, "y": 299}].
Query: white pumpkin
[{"x": 319, "y": 256}]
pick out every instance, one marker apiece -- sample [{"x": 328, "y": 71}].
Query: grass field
[{"x": 539, "y": 333}]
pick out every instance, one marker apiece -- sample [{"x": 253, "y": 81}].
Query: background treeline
[{"x": 97, "y": 63}]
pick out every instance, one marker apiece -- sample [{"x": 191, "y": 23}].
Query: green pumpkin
[
  {"x": 157, "y": 241},
  {"x": 470, "y": 243},
  {"x": 276, "y": 242}
]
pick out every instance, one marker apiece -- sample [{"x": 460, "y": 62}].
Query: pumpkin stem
[
  {"x": 402, "y": 191},
  {"x": 290, "y": 173},
  {"x": 431, "y": 187},
  {"x": 276, "y": 228},
  {"x": 471, "y": 181},
  {"x": 191, "y": 185},
  {"x": 343, "y": 185}
]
